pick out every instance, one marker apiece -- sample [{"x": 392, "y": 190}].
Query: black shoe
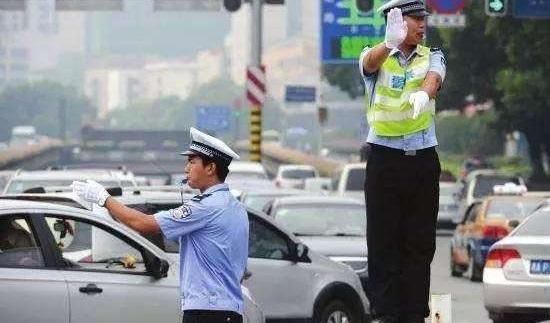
[{"x": 386, "y": 319}]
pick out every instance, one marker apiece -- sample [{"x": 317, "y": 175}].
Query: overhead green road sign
[{"x": 346, "y": 30}]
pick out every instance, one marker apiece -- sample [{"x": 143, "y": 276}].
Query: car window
[
  {"x": 86, "y": 246},
  {"x": 484, "y": 184},
  {"x": 158, "y": 239},
  {"x": 298, "y": 173},
  {"x": 18, "y": 245},
  {"x": 265, "y": 242},
  {"x": 538, "y": 224},
  {"x": 511, "y": 209},
  {"x": 356, "y": 179},
  {"x": 323, "y": 219},
  {"x": 257, "y": 202}
]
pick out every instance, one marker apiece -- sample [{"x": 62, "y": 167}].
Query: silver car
[
  {"x": 516, "y": 277},
  {"x": 289, "y": 281},
  {"x": 53, "y": 268},
  {"x": 334, "y": 226}
]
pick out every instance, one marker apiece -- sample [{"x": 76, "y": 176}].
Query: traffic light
[
  {"x": 364, "y": 5},
  {"x": 496, "y": 8},
  {"x": 231, "y": 5}
]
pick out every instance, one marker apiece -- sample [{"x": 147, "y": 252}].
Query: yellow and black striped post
[
  {"x": 255, "y": 93},
  {"x": 256, "y": 133}
]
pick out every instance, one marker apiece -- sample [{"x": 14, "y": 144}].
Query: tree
[
  {"x": 38, "y": 104},
  {"x": 522, "y": 83}
]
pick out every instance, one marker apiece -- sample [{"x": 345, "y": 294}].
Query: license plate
[{"x": 540, "y": 267}]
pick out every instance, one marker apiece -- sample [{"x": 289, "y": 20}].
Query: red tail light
[
  {"x": 494, "y": 232},
  {"x": 497, "y": 258}
]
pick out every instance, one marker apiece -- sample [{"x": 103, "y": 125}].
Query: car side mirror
[
  {"x": 300, "y": 253},
  {"x": 513, "y": 223},
  {"x": 156, "y": 266}
]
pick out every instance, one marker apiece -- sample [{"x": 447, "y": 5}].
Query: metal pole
[{"x": 256, "y": 62}]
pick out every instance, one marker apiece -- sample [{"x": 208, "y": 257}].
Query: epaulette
[
  {"x": 435, "y": 49},
  {"x": 200, "y": 197}
]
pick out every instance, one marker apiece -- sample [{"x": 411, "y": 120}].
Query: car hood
[{"x": 332, "y": 246}]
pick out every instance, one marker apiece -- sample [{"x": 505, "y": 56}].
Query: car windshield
[
  {"x": 518, "y": 209},
  {"x": 538, "y": 224},
  {"x": 356, "y": 180},
  {"x": 298, "y": 173},
  {"x": 447, "y": 190},
  {"x": 19, "y": 186},
  {"x": 484, "y": 184},
  {"x": 323, "y": 219}
]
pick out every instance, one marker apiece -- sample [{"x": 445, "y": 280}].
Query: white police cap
[
  {"x": 209, "y": 146},
  {"x": 408, "y": 7}
]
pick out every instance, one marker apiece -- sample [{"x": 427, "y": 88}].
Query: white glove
[
  {"x": 396, "y": 28},
  {"x": 90, "y": 191},
  {"x": 419, "y": 101}
]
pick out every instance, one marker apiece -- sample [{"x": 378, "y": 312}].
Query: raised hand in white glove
[
  {"x": 90, "y": 191},
  {"x": 396, "y": 28},
  {"x": 419, "y": 101}
]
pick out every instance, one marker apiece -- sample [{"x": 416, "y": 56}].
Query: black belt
[{"x": 401, "y": 152}]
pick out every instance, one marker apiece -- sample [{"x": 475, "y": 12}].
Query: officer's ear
[{"x": 211, "y": 168}]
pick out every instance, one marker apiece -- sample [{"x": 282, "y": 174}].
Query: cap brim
[
  {"x": 190, "y": 152},
  {"x": 419, "y": 13}
]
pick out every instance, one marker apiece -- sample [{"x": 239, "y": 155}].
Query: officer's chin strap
[{"x": 183, "y": 182}]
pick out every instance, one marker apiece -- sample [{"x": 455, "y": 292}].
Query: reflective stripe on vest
[{"x": 391, "y": 113}]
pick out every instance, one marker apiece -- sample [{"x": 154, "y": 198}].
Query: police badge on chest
[{"x": 180, "y": 212}]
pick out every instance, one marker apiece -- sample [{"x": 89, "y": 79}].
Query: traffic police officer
[
  {"x": 402, "y": 78},
  {"x": 212, "y": 230}
]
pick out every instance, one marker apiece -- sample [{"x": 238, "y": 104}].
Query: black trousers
[
  {"x": 402, "y": 196},
  {"x": 207, "y": 316}
]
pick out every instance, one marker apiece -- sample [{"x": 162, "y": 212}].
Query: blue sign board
[
  {"x": 346, "y": 30},
  {"x": 532, "y": 9},
  {"x": 300, "y": 94},
  {"x": 446, "y": 6},
  {"x": 215, "y": 118}
]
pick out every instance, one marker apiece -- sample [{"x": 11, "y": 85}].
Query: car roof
[
  {"x": 246, "y": 166},
  {"x": 296, "y": 166},
  {"x": 488, "y": 172},
  {"x": 317, "y": 199},
  {"x": 276, "y": 192},
  {"x": 64, "y": 174}
]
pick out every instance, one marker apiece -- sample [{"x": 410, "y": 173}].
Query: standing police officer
[
  {"x": 402, "y": 78},
  {"x": 212, "y": 230}
]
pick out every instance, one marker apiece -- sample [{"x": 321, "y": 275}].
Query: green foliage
[
  {"x": 511, "y": 165},
  {"x": 38, "y": 104},
  {"x": 472, "y": 136}
]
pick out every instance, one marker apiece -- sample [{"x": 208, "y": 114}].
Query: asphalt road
[{"x": 467, "y": 296}]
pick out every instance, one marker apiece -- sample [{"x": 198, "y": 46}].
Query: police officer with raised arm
[
  {"x": 212, "y": 230},
  {"x": 402, "y": 78}
]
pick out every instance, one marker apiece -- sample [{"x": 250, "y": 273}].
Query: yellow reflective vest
[{"x": 390, "y": 113}]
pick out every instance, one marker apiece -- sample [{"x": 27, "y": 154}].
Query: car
[
  {"x": 350, "y": 180},
  {"x": 516, "y": 278},
  {"x": 334, "y": 226},
  {"x": 486, "y": 222},
  {"x": 447, "y": 205},
  {"x": 294, "y": 175},
  {"x": 258, "y": 198},
  {"x": 50, "y": 259},
  {"x": 22, "y": 180},
  {"x": 316, "y": 288},
  {"x": 479, "y": 184},
  {"x": 246, "y": 170}
]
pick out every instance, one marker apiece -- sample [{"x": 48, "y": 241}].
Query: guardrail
[{"x": 13, "y": 156}]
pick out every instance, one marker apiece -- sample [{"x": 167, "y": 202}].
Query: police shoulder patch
[{"x": 180, "y": 212}]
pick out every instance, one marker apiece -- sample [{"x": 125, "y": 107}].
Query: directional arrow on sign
[{"x": 496, "y": 5}]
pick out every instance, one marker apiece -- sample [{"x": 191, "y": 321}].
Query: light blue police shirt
[
  {"x": 418, "y": 140},
  {"x": 212, "y": 229}
]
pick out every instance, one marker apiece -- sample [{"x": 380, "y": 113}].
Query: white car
[
  {"x": 350, "y": 180},
  {"x": 293, "y": 175},
  {"x": 516, "y": 278},
  {"x": 52, "y": 269}
]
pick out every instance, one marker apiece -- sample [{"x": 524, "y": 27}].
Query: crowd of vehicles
[{"x": 313, "y": 239}]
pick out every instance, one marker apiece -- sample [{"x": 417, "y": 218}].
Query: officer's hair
[{"x": 222, "y": 168}]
